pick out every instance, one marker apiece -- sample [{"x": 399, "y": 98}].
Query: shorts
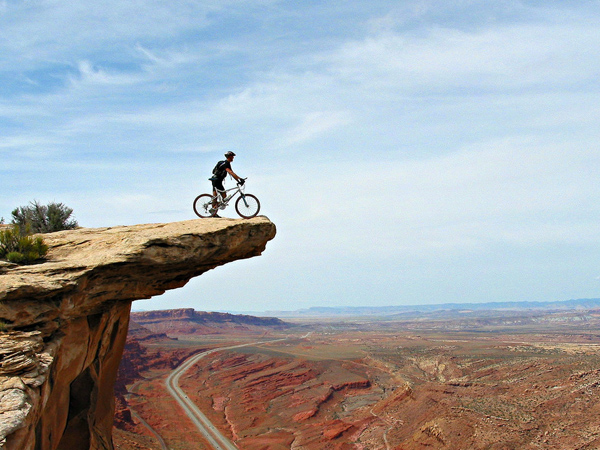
[{"x": 218, "y": 184}]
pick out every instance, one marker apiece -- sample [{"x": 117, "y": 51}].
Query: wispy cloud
[
  {"x": 379, "y": 132},
  {"x": 521, "y": 193}
]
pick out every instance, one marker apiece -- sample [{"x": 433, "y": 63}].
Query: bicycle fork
[{"x": 244, "y": 198}]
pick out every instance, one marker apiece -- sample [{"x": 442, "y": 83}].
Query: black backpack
[{"x": 219, "y": 171}]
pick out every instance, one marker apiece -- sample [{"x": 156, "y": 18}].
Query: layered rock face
[
  {"x": 188, "y": 321},
  {"x": 66, "y": 320}
]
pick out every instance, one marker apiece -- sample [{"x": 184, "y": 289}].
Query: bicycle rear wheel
[
  {"x": 247, "y": 206},
  {"x": 203, "y": 206}
]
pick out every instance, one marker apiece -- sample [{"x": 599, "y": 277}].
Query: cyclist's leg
[{"x": 217, "y": 187}]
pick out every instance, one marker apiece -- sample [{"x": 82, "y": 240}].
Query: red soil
[
  {"x": 274, "y": 402},
  {"x": 404, "y": 392}
]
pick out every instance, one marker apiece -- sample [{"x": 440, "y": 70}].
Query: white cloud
[
  {"x": 519, "y": 193},
  {"x": 423, "y": 133},
  {"x": 27, "y": 143},
  {"x": 315, "y": 124},
  {"x": 91, "y": 75},
  {"x": 510, "y": 56}
]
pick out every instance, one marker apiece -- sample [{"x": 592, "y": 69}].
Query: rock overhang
[
  {"x": 71, "y": 314},
  {"x": 125, "y": 263}
]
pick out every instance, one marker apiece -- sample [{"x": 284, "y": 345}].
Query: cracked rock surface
[{"x": 66, "y": 320}]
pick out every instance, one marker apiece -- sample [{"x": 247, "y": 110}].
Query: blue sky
[{"x": 408, "y": 151}]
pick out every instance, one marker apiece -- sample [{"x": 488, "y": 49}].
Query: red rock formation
[
  {"x": 187, "y": 321},
  {"x": 277, "y": 400},
  {"x": 335, "y": 429},
  {"x": 460, "y": 391},
  {"x": 137, "y": 359},
  {"x": 79, "y": 301}
]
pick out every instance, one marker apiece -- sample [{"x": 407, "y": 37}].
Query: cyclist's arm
[{"x": 230, "y": 172}]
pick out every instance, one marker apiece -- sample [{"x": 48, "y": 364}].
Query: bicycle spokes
[{"x": 207, "y": 205}]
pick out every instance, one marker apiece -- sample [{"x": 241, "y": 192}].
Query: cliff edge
[{"x": 66, "y": 320}]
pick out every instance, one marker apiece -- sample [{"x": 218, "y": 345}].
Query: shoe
[{"x": 217, "y": 216}]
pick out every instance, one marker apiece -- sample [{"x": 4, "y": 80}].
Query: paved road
[
  {"x": 158, "y": 437},
  {"x": 134, "y": 413},
  {"x": 205, "y": 426}
]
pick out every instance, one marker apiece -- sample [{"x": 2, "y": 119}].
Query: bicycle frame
[
  {"x": 246, "y": 205},
  {"x": 222, "y": 202}
]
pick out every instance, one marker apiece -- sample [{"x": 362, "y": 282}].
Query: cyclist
[{"x": 220, "y": 172}]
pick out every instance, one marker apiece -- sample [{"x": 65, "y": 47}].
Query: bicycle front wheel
[
  {"x": 247, "y": 206},
  {"x": 203, "y": 206}
]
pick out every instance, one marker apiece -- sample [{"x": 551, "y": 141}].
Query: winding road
[
  {"x": 204, "y": 425},
  {"x": 135, "y": 414}
]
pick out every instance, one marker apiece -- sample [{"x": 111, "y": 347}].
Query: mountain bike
[{"x": 207, "y": 205}]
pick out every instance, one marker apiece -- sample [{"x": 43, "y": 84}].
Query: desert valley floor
[{"x": 516, "y": 381}]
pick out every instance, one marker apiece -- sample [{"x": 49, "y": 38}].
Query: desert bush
[
  {"x": 38, "y": 218},
  {"x": 21, "y": 248}
]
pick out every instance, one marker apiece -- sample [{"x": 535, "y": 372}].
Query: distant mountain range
[{"x": 401, "y": 310}]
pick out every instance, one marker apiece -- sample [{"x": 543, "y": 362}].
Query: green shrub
[
  {"x": 38, "y": 218},
  {"x": 16, "y": 257},
  {"x": 21, "y": 248}
]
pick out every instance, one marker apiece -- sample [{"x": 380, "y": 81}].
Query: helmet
[{"x": 228, "y": 154}]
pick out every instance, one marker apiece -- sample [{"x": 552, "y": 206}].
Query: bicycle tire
[
  {"x": 202, "y": 206},
  {"x": 248, "y": 209}
]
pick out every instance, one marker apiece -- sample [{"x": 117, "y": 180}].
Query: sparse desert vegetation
[
  {"x": 38, "y": 218},
  {"x": 19, "y": 247}
]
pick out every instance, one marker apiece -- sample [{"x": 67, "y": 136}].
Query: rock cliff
[
  {"x": 188, "y": 321},
  {"x": 65, "y": 320}
]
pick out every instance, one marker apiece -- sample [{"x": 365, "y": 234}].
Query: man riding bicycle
[
  {"x": 207, "y": 205},
  {"x": 219, "y": 173}
]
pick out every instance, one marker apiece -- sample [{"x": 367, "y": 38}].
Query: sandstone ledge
[
  {"x": 70, "y": 315},
  {"x": 125, "y": 263}
]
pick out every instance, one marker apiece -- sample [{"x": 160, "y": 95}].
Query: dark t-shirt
[
  {"x": 217, "y": 178},
  {"x": 222, "y": 173}
]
